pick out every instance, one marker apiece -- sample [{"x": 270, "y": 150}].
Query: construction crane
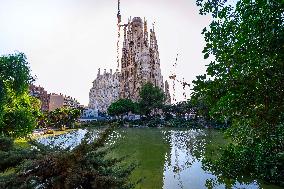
[
  {"x": 118, "y": 13},
  {"x": 173, "y": 77},
  {"x": 118, "y": 32}
]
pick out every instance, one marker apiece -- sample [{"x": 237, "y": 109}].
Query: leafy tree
[
  {"x": 151, "y": 98},
  {"x": 62, "y": 117},
  {"x": 42, "y": 120},
  {"x": 121, "y": 107},
  {"x": 18, "y": 110},
  {"x": 168, "y": 110},
  {"x": 244, "y": 84},
  {"x": 179, "y": 109}
]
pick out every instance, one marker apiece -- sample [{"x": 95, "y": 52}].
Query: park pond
[{"x": 168, "y": 158}]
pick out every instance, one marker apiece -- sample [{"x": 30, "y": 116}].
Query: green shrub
[
  {"x": 86, "y": 166},
  {"x": 6, "y": 143}
]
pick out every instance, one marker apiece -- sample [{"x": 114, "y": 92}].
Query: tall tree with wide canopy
[
  {"x": 244, "y": 83},
  {"x": 121, "y": 107},
  {"x": 18, "y": 111},
  {"x": 151, "y": 97},
  {"x": 62, "y": 117}
]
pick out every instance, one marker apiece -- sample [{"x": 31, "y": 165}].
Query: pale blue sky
[{"x": 66, "y": 41}]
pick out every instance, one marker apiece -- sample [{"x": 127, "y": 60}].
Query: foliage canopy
[
  {"x": 62, "y": 117},
  {"x": 122, "y": 106},
  {"x": 18, "y": 111},
  {"x": 151, "y": 97},
  {"x": 244, "y": 83}
]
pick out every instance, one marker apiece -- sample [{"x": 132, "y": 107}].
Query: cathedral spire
[
  {"x": 140, "y": 59},
  {"x": 145, "y": 32},
  {"x": 145, "y": 26},
  {"x": 153, "y": 39},
  {"x": 125, "y": 37}
]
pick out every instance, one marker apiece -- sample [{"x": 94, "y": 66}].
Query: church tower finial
[
  {"x": 145, "y": 32},
  {"x": 99, "y": 71},
  {"x": 145, "y": 26}
]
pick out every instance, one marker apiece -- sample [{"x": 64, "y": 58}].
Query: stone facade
[
  {"x": 104, "y": 91},
  {"x": 140, "y": 63}
]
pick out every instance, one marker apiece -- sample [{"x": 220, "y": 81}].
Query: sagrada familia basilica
[{"x": 140, "y": 63}]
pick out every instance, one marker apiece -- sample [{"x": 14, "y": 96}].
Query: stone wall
[{"x": 104, "y": 91}]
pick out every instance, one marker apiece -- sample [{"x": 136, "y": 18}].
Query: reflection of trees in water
[
  {"x": 186, "y": 148},
  {"x": 212, "y": 142},
  {"x": 189, "y": 147},
  {"x": 214, "y": 182},
  {"x": 191, "y": 142},
  {"x": 64, "y": 141},
  {"x": 70, "y": 140},
  {"x": 229, "y": 183},
  {"x": 239, "y": 181},
  {"x": 185, "y": 144}
]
